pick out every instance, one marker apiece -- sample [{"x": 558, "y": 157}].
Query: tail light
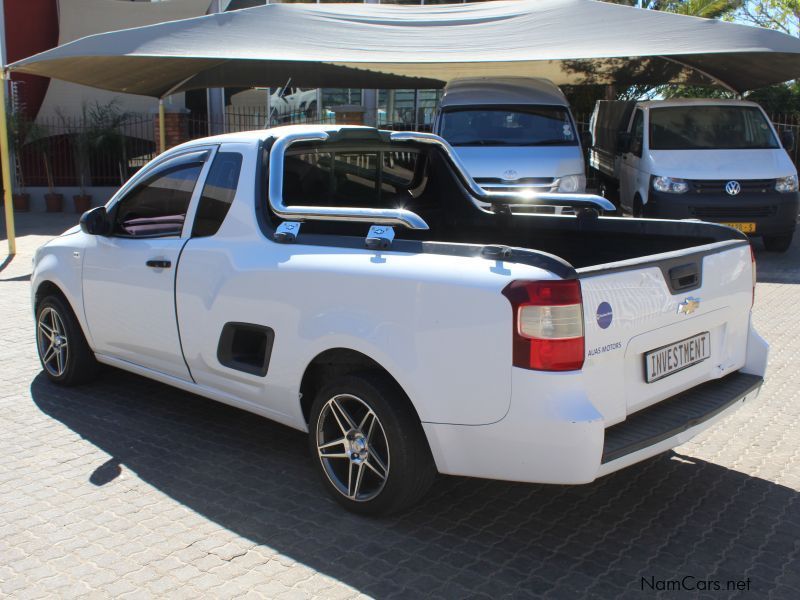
[
  {"x": 548, "y": 324},
  {"x": 753, "y": 262}
]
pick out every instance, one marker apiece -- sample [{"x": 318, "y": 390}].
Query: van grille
[
  {"x": 496, "y": 184},
  {"x": 717, "y": 186}
]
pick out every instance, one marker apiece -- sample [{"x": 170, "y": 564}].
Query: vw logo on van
[
  {"x": 510, "y": 174},
  {"x": 733, "y": 188}
]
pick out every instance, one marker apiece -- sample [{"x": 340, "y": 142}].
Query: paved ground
[{"x": 129, "y": 488}]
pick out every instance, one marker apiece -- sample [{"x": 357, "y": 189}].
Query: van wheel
[
  {"x": 609, "y": 191},
  {"x": 778, "y": 243},
  {"x": 65, "y": 356},
  {"x": 368, "y": 445},
  {"x": 638, "y": 207}
]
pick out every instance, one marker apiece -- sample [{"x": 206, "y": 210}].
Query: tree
[{"x": 781, "y": 15}]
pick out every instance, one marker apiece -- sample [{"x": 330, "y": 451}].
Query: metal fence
[
  {"x": 74, "y": 151},
  {"x": 789, "y": 122},
  {"x": 81, "y": 151}
]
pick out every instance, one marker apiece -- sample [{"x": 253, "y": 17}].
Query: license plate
[
  {"x": 743, "y": 227},
  {"x": 670, "y": 359}
]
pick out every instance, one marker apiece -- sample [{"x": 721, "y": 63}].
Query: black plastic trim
[
  {"x": 677, "y": 414},
  {"x": 227, "y": 356}
]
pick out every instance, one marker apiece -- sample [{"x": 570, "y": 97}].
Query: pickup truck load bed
[{"x": 356, "y": 284}]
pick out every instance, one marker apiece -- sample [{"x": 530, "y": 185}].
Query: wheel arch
[
  {"x": 336, "y": 362},
  {"x": 48, "y": 287}
]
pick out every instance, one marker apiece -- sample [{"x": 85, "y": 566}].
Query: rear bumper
[
  {"x": 773, "y": 213},
  {"x": 554, "y": 434}
]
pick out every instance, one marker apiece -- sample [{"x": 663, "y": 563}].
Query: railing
[
  {"x": 75, "y": 151},
  {"x": 792, "y": 123}
]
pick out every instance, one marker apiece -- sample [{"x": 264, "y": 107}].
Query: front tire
[
  {"x": 778, "y": 243},
  {"x": 368, "y": 445},
  {"x": 65, "y": 356}
]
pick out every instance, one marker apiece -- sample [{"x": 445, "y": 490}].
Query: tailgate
[{"x": 660, "y": 325}]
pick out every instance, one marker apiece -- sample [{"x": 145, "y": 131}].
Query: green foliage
[{"x": 781, "y": 15}]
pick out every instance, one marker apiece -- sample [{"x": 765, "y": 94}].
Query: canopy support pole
[
  {"x": 704, "y": 74},
  {"x": 162, "y": 132},
  {"x": 5, "y": 158}
]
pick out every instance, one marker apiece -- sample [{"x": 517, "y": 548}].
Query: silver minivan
[{"x": 513, "y": 133}]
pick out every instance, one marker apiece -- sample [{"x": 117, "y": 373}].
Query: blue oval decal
[{"x": 604, "y": 315}]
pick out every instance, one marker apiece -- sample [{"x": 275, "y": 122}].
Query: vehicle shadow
[
  {"x": 666, "y": 518},
  {"x": 776, "y": 267}
]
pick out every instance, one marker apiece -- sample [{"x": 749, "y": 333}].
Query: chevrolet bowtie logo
[{"x": 688, "y": 306}]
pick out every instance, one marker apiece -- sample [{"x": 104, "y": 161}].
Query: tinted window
[
  {"x": 709, "y": 128},
  {"x": 157, "y": 206},
  {"x": 637, "y": 133},
  {"x": 218, "y": 192},
  {"x": 508, "y": 126},
  {"x": 350, "y": 178}
]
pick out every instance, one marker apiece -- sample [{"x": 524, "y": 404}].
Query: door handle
[{"x": 158, "y": 263}]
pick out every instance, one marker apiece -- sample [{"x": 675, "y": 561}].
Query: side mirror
[
  {"x": 787, "y": 138},
  {"x": 624, "y": 142},
  {"x": 587, "y": 140},
  {"x": 95, "y": 221}
]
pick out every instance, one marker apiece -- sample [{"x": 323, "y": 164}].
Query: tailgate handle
[{"x": 684, "y": 276}]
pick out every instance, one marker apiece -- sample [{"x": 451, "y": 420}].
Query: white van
[
  {"x": 512, "y": 134},
  {"x": 709, "y": 159}
]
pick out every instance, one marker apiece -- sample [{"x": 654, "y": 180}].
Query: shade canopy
[{"x": 389, "y": 46}]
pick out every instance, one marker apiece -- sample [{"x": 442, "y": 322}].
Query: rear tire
[
  {"x": 368, "y": 445},
  {"x": 65, "y": 356},
  {"x": 778, "y": 243}
]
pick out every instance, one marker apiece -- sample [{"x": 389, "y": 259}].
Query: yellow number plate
[{"x": 743, "y": 227}]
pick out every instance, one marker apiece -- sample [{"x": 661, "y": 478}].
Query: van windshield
[
  {"x": 508, "y": 126},
  {"x": 710, "y": 128}
]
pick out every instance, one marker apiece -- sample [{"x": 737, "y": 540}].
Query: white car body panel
[
  {"x": 116, "y": 281},
  {"x": 437, "y": 323},
  {"x": 540, "y": 162}
]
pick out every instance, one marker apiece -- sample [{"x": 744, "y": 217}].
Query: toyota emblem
[
  {"x": 733, "y": 188},
  {"x": 510, "y": 174}
]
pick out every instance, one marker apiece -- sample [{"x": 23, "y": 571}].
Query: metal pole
[
  {"x": 215, "y": 97},
  {"x": 5, "y": 158},
  {"x": 5, "y": 154},
  {"x": 162, "y": 131},
  {"x": 416, "y": 109}
]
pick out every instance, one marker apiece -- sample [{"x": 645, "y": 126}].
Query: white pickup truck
[{"x": 352, "y": 283}]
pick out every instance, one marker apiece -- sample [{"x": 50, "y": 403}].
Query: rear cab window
[
  {"x": 218, "y": 193},
  {"x": 367, "y": 178}
]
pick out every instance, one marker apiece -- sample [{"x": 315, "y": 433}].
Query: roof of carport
[{"x": 390, "y": 46}]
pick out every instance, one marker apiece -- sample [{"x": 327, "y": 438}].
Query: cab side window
[
  {"x": 637, "y": 133},
  {"x": 157, "y": 206},
  {"x": 218, "y": 193}
]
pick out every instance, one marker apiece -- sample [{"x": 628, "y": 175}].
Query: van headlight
[
  {"x": 571, "y": 184},
  {"x": 786, "y": 184},
  {"x": 670, "y": 185}
]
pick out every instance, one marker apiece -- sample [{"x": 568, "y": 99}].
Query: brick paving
[{"x": 129, "y": 488}]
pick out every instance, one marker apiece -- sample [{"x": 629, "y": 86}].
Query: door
[
  {"x": 129, "y": 275},
  {"x": 630, "y": 167}
]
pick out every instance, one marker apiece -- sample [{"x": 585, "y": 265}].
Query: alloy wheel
[
  {"x": 51, "y": 338},
  {"x": 352, "y": 447}
]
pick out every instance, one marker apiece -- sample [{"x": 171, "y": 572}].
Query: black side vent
[{"x": 246, "y": 347}]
